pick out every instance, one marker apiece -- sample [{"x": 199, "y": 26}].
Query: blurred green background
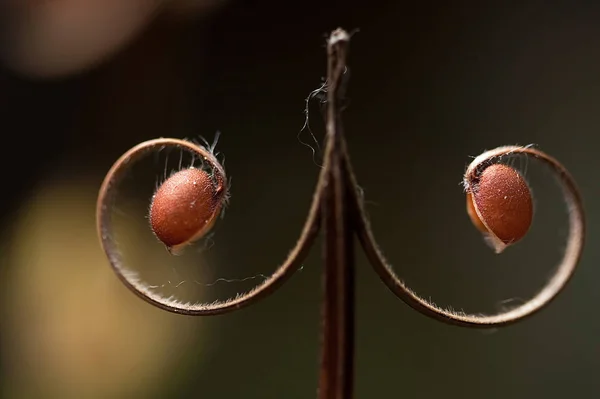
[{"x": 432, "y": 84}]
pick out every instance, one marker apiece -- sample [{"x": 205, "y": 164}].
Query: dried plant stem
[
  {"x": 338, "y": 203},
  {"x": 337, "y": 356},
  {"x": 561, "y": 276},
  {"x": 106, "y": 198}
]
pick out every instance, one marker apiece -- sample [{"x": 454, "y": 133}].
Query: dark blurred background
[{"x": 432, "y": 84}]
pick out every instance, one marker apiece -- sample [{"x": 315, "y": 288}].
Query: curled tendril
[
  {"x": 554, "y": 285},
  {"x": 130, "y": 278}
]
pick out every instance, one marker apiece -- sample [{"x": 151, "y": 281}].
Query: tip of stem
[{"x": 338, "y": 35}]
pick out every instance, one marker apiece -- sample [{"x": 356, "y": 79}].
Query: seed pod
[
  {"x": 499, "y": 204},
  {"x": 185, "y": 207}
]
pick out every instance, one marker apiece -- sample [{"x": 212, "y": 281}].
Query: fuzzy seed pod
[
  {"x": 185, "y": 207},
  {"x": 500, "y": 205}
]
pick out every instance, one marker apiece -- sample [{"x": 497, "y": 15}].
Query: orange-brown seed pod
[
  {"x": 185, "y": 207},
  {"x": 499, "y": 204}
]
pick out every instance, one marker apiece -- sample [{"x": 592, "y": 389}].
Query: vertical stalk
[{"x": 337, "y": 358}]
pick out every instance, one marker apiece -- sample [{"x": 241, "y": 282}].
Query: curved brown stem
[
  {"x": 554, "y": 285},
  {"x": 106, "y": 197}
]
